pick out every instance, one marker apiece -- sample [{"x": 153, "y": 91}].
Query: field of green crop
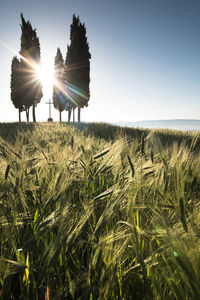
[{"x": 98, "y": 213}]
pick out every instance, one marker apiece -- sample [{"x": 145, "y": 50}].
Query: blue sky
[{"x": 145, "y": 55}]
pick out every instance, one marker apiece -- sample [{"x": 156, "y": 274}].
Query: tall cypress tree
[
  {"x": 77, "y": 65},
  {"x": 16, "y": 96},
  {"x": 30, "y": 57},
  {"x": 59, "y": 100}
]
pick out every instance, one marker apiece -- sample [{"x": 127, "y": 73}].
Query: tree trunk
[
  {"x": 69, "y": 115},
  {"x": 60, "y": 116},
  {"x": 34, "y": 118},
  {"x": 27, "y": 114},
  {"x": 79, "y": 114},
  {"x": 73, "y": 115},
  {"x": 19, "y": 115}
]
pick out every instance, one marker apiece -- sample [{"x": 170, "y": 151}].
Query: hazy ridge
[{"x": 177, "y": 124}]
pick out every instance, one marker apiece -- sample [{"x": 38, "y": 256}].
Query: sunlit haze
[
  {"x": 45, "y": 73},
  {"x": 145, "y": 61}
]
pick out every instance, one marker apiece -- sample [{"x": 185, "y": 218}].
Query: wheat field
[{"x": 98, "y": 212}]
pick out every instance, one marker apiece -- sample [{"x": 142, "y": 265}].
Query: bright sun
[{"x": 45, "y": 73}]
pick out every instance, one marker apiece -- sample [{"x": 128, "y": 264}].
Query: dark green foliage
[
  {"x": 30, "y": 46},
  {"x": 30, "y": 53},
  {"x": 26, "y": 88},
  {"x": 59, "y": 98},
  {"x": 16, "y": 95},
  {"x": 77, "y": 65}
]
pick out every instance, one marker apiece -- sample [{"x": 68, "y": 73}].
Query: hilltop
[{"x": 104, "y": 131}]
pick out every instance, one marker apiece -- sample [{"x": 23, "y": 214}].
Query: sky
[{"x": 145, "y": 61}]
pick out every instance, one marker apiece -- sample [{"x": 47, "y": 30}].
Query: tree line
[{"x": 71, "y": 77}]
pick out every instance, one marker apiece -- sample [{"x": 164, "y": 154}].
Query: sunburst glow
[{"x": 45, "y": 74}]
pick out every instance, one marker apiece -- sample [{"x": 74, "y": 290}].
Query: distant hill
[{"x": 177, "y": 124}]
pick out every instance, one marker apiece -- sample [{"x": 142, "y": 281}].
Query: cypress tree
[
  {"x": 77, "y": 66},
  {"x": 30, "y": 57},
  {"x": 59, "y": 99},
  {"x": 15, "y": 85}
]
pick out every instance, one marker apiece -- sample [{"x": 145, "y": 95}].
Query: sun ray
[{"x": 44, "y": 73}]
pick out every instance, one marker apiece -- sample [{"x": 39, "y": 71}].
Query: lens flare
[
  {"x": 68, "y": 93},
  {"x": 44, "y": 73}
]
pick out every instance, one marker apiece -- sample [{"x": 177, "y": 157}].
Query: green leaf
[
  {"x": 101, "y": 154},
  {"x": 72, "y": 142},
  {"x": 7, "y": 171},
  {"x": 104, "y": 194},
  {"x": 182, "y": 211},
  {"x": 131, "y": 165},
  {"x": 152, "y": 156}
]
